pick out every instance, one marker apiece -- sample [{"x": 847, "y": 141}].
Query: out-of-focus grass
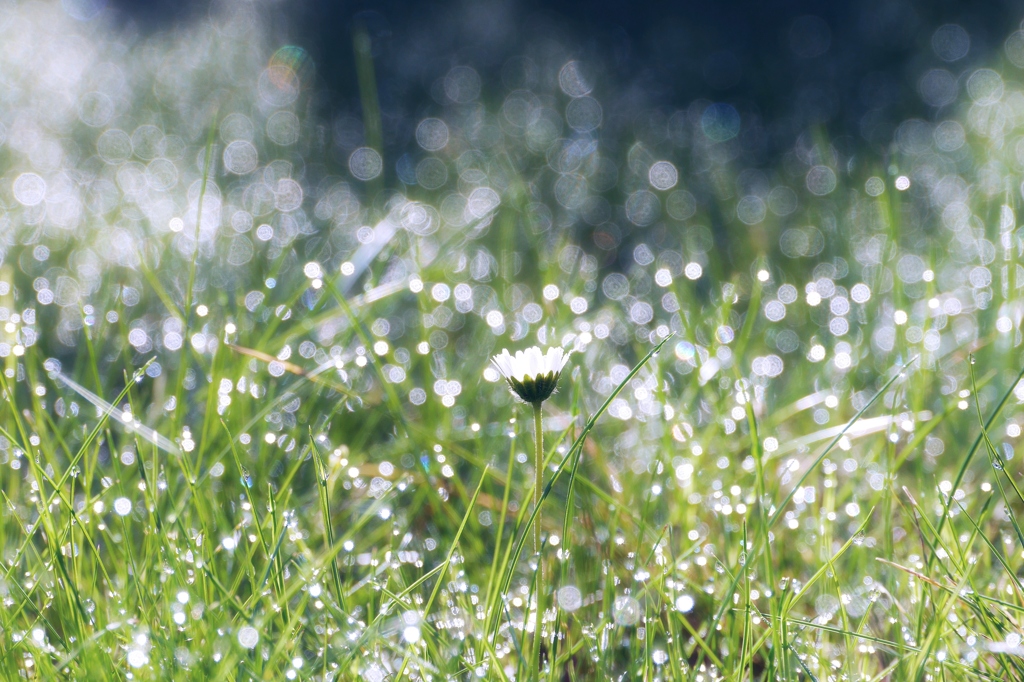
[{"x": 306, "y": 470}]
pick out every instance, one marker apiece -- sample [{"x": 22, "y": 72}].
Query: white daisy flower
[{"x": 532, "y": 374}]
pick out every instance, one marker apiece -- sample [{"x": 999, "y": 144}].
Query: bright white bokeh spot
[
  {"x": 860, "y": 293},
  {"x": 137, "y": 658},
  {"x": 29, "y": 189},
  {"x": 248, "y": 637},
  {"x": 440, "y": 292},
  {"x": 570, "y": 598},
  {"x": 684, "y": 603},
  {"x": 663, "y": 175}
]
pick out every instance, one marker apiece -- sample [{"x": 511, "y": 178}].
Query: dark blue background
[{"x": 658, "y": 54}]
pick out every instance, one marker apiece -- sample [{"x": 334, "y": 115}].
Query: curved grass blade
[{"x": 573, "y": 454}]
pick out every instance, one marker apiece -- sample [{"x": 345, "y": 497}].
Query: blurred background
[
  {"x": 853, "y": 66},
  {"x": 561, "y": 165}
]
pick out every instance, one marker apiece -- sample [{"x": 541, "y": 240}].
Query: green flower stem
[{"x": 538, "y": 487}]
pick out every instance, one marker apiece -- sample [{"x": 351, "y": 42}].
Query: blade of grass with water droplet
[
  {"x": 996, "y": 462},
  {"x": 325, "y": 511},
  {"x": 773, "y": 519},
  {"x": 447, "y": 561},
  {"x": 977, "y": 444},
  {"x": 979, "y": 602},
  {"x": 185, "y": 355},
  {"x": 828, "y": 564},
  {"x": 392, "y": 399},
  {"x": 928, "y": 427}
]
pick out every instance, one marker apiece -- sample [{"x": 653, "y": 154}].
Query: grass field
[{"x": 251, "y": 430}]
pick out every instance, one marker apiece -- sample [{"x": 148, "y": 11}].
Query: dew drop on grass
[{"x": 626, "y": 610}]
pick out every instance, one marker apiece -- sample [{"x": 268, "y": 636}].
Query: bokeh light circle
[
  {"x": 663, "y": 175},
  {"x": 951, "y": 42},
  {"x": 240, "y": 157},
  {"x": 29, "y": 189},
  {"x": 821, "y": 180},
  {"x": 432, "y": 134},
  {"x": 573, "y": 81},
  {"x": 365, "y": 164},
  {"x": 720, "y": 122}
]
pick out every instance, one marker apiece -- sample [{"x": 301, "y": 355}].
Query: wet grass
[
  {"x": 261, "y": 438},
  {"x": 736, "y": 532}
]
